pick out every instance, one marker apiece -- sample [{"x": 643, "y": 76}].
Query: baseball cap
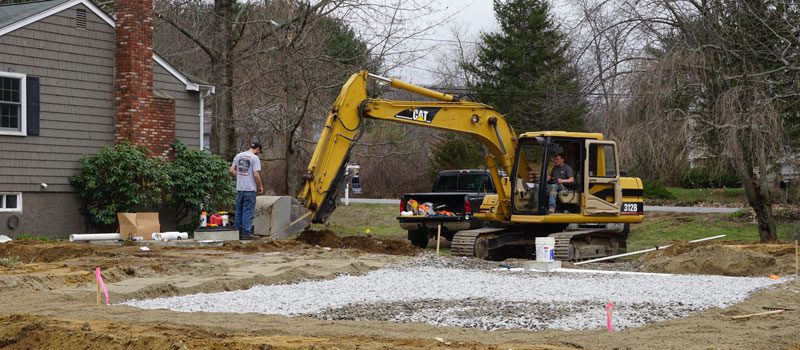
[{"x": 255, "y": 145}]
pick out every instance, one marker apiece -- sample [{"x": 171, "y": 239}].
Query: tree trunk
[
  {"x": 216, "y": 117},
  {"x": 224, "y": 127},
  {"x": 229, "y": 150},
  {"x": 758, "y": 198},
  {"x": 766, "y": 223},
  {"x": 288, "y": 164}
]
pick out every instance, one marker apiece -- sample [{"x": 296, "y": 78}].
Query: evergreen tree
[
  {"x": 524, "y": 71},
  {"x": 456, "y": 151}
]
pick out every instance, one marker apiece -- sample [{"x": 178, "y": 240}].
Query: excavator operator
[{"x": 560, "y": 176}]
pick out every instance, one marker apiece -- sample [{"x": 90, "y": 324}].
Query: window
[
  {"x": 446, "y": 183},
  {"x": 10, "y": 202},
  {"x": 12, "y": 104},
  {"x": 602, "y": 161},
  {"x": 471, "y": 183}
]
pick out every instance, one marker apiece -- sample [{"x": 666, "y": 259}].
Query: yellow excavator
[{"x": 592, "y": 216}]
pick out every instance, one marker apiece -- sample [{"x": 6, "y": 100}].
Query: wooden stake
[
  {"x": 796, "y": 259},
  {"x": 98, "y": 292},
  {"x": 438, "y": 237},
  {"x": 773, "y": 312}
]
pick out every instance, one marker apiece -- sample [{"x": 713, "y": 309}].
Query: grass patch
[
  {"x": 28, "y": 237},
  {"x": 694, "y": 196},
  {"x": 10, "y": 263},
  {"x": 356, "y": 218},
  {"x": 661, "y": 228}
]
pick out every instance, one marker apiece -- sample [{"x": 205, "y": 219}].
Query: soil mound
[
  {"x": 30, "y": 250},
  {"x": 326, "y": 238},
  {"x": 264, "y": 246},
  {"x": 712, "y": 260}
]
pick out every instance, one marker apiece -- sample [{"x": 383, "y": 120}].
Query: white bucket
[{"x": 545, "y": 249}]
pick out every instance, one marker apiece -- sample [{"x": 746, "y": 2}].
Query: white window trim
[
  {"x": 18, "y": 209},
  {"x": 23, "y": 92}
]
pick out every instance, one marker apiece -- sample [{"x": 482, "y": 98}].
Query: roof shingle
[{"x": 12, "y": 13}]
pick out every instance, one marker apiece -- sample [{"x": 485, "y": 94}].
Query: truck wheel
[{"x": 418, "y": 238}]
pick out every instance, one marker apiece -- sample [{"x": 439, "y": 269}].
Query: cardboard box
[{"x": 138, "y": 224}]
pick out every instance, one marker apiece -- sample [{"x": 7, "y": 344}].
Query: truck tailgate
[{"x": 453, "y": 202}]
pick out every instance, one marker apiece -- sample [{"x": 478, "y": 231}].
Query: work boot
[
  {"x": 248, "y": 238},
  {"x": 551, "y": 210}
]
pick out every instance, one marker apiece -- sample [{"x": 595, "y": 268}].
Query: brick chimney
[{"x": 141, "y": 118}]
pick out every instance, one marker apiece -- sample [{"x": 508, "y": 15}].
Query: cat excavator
[{"x": 591, "y": 217}]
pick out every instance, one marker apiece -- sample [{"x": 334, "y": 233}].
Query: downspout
[{"x": 202, "y": 115}]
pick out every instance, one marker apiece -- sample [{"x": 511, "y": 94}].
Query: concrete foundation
[
  {"x": 217, "y": 235},
  {"x": 542, "y": 266},
  {"x": 279, "y": 217},
  {"x": 44, "y": 214}
]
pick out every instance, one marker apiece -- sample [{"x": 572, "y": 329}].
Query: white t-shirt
[{"x": 246, "y": 164}]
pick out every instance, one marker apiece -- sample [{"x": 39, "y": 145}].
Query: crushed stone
[{"x": 480, "y": 298}]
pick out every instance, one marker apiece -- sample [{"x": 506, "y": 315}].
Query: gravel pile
[
  {"x": 481, "y": 298},
  {"x": 429, "y": 259}
]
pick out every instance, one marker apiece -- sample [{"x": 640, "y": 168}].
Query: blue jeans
[
  {"x": 553, "y": 190},
  {"x": 245, "y": 208}
]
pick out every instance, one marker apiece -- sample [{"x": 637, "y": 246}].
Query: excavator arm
[{"x": 326, "y": 170}]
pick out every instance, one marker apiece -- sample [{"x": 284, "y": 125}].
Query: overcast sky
[{"x": 470, "y": 17}]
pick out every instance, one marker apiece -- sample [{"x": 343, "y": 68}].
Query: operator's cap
[{"x": 255, "y": 145}]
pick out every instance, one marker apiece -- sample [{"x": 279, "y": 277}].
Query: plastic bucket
[{"x": 545, "y": 249}]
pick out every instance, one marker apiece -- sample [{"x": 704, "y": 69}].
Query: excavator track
[
  {"x": 570, "y": 245},
  {"x": 587, "y": 244},
  {"x": 464, "y": 242},
  {"x": 562, "y": 249}
]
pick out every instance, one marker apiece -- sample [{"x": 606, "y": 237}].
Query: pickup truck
[{"x": 457, "y": 194}]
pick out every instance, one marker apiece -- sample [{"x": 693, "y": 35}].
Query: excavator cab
[{"x": 591, "y": 164}]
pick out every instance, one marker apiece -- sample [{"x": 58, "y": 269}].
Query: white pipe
[
  {"x": 95, "y": 237},
  {"x": 607, "y": 272},
  {"x": 202, "y": 115},
  {"x": 644, "y": 251}
]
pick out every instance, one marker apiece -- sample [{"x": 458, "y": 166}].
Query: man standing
[
  {"x": 247, "y": 168},
  {"x": 561, "y": 174}
]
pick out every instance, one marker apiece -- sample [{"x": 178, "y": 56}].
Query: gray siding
[
  {"x": 76, "y": 75},
  {"x": 187, "y": 120},
  {"x": 76, "y": 71}
]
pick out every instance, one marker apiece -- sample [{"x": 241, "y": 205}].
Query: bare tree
[
  {"x": 275, "y": 69},
  {"x": 225, "y": 30},
  {"x": 723, "y": 82}
]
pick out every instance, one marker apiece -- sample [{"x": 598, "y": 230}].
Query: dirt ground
[{"x": 48, "y": 300}]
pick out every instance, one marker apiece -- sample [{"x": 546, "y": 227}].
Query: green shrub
[
  {"x": 197, "y": 179},
  {"x": 702, "y": 178},
  {"x": 656, "y": 190},
  {"x": 122, "y": 178}
]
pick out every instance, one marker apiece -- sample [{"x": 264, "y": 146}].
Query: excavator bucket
[{"x": 278, "y": 217}]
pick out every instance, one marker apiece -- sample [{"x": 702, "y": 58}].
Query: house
[{"x": 72, "y": 80}]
